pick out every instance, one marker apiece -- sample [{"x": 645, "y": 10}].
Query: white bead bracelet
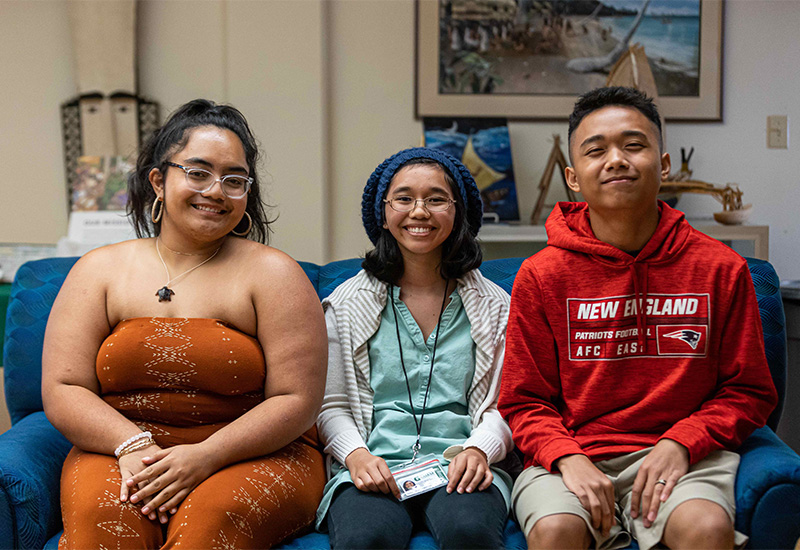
[
  {"x": 132, "y": 439},
  {"x": 136, "y": 446}
]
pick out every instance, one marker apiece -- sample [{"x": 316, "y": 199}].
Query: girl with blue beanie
[{"x": 415, "y": 346}]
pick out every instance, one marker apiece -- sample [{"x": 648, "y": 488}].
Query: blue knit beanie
[{"x": 378, "y": 185}]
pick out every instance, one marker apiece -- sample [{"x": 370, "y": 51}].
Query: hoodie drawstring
[{"x": 640, "y": 299}]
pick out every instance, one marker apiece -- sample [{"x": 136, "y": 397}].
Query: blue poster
[{"x": 484, "y": 146}]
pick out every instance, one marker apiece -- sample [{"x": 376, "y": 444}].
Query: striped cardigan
[{"x": 353, "y": 313}]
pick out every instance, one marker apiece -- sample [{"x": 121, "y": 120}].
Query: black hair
[
  {"x": 613, "y": 96},
  {"x": 172, "y": 137},
  {"x": 460, "y": 251}
]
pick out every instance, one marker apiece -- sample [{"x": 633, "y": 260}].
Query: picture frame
[
  {"x": 73, "y": 127},
  {"x": 705, "y": 104}
]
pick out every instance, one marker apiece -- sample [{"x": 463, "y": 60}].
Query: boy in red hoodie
[{"x": 635, "y": 360}]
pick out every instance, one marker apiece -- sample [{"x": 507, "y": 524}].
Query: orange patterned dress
[{"x": 182, "y": 380}]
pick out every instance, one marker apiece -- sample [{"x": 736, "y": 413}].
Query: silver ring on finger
[{"x": 661, "y": 482}]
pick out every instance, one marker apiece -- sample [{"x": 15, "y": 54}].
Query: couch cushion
[
  {"x": 312, "y": 272},
  {"x": 773, "y": 322},
  {"x": 421, "y": 540},
  {"x": 768, "y": 491},
  {"x": 502, "y": 272},
  {"x": 335, "y": 273},
  {"x": 32, "y": 294},
  {"x": 31, "y": 455}
]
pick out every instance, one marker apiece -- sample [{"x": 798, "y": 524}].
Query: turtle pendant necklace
[{"x": 165, "y": 293}]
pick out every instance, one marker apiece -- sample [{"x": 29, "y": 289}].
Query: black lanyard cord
[{"x": 418, "y": 425}]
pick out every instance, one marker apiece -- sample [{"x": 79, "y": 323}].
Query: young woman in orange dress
[{"x": 187, "y": 366}]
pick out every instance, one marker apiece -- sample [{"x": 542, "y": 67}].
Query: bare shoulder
[
  {"x": 79, "y": 314},
  {"x": 268, "y": 269},
  {"x": 100, "y": 265},
  {"x": 264, "y": 256}
]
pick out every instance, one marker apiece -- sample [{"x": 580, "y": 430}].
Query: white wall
[
  {"x": 266, "y": 58},
  {"x": 36, "y": 69},
  {"x": 328, "y": 88},
  {"x": 372, "y": 105},
  {"x": 372, "y": 95},
  {"x": 760, "y": 78},
  {"x": 372, "y": 68}
]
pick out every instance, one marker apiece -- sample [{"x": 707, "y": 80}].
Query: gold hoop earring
[
  {"x": 153, "y": 216},
  {"x": 249, "y": 226}
]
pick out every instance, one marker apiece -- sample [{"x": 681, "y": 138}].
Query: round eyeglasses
[
  {"x": 200, "y": 180},
  {"x": 404, "y": 203}
]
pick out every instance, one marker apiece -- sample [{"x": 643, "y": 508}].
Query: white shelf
[
  {"x": 757, "y": 236},
  {"x": 506, "y": 233}
]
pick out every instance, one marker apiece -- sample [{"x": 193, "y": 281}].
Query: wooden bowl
[{"x": 734, "y": 217}]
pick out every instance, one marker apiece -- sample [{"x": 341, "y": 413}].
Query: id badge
[{"x": 420, "y": 476}]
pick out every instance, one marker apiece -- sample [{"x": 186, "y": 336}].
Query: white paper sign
[{"x": 99, "y": 228}]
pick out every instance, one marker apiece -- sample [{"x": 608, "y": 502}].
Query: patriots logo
[{"x": 691, "y": 337}]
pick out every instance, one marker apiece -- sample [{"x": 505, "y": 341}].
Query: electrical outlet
[{"x": 777, "y": 132}]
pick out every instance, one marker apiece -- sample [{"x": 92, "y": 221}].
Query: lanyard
[{"x": 416, "y": 447}]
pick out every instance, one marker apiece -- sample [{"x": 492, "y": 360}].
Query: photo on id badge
[{"x": 423, "y": 475}]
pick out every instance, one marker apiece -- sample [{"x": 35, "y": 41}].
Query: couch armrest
[
  {"x": 768, "y": 491},
  {"x": 31, "y": 455}
]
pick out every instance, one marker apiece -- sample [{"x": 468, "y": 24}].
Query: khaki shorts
[{"x": 538, "y": 493}]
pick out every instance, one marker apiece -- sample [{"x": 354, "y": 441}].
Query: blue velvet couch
[{"x": 32, "y": 451}]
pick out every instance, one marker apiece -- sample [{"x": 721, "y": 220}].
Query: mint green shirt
[{"x": 447, "y": 421}]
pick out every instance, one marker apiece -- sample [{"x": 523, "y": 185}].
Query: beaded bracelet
[
  {"x": 135, "y": 446},
  {"x": 141, "y": 435}
]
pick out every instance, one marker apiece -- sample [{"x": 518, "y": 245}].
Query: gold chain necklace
[
  {"x": 182, "y": 253},
  {"x": 165, "y": 293}
]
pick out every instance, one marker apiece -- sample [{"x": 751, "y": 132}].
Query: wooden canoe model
[
  {"x": 730, "y": 196},
  {"x": 632, "y": 69}
]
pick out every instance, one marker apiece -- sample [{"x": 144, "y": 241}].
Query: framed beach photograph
[{"x": 530, "y": 59}]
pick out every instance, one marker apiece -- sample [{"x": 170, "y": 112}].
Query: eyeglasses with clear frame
[
  {"x": 201, "y": 180},
  {"x": 404, "y": 203}
]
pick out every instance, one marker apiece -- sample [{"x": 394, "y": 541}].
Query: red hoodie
[{"x": 586, "y": 371}]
